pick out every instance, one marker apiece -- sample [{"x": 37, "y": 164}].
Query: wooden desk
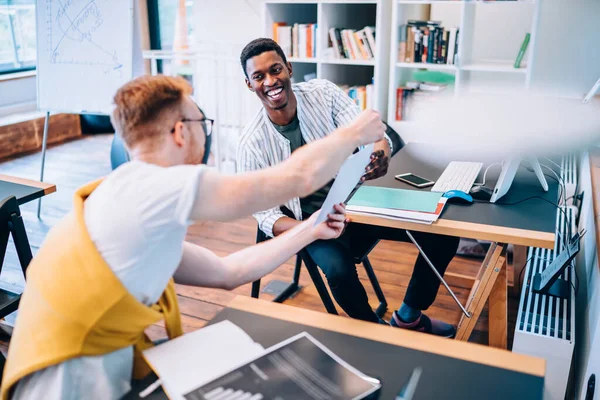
[
  {"x": 529, "y": 223},
  {"x": 452, "y": 369},
  {"x": 25, "y": 190}
]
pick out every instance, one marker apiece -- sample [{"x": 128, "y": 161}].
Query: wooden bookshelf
[
  {"x": 349, "y": 14},
  {"x": 476, "y": 68}
]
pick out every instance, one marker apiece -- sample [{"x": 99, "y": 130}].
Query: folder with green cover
[{"x": 399, "y": 199}]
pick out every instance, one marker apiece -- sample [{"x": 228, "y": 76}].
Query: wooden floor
[{"x": 72, "y": 164}]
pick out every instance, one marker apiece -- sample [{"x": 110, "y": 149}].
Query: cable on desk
[
  {"x": 522, "y": 201},
  {"x": 523, "y": 269},
  {"x": 485, "y": 174},
  {"x": 521, "y": 273},
  {"x": 557, "y": 166},
  {"x": 562, "y": 193}
]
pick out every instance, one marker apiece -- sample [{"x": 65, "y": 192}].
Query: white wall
[
  {"x": 234, "y": 23},
  {"x": 499, "y": 27},
  {"x": 567, "y": 56},
  {"x": 229, "y": 20},
  {"x": 17, "y": 94}
]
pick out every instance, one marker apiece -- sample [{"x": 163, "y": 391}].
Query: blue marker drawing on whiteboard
[{"x": 73, "y": 38}]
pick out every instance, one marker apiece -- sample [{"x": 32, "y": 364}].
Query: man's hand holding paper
[{"x": 348, "y": 177}]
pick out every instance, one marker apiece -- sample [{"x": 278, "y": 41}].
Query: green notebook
[{"x": 399, "y": 199}]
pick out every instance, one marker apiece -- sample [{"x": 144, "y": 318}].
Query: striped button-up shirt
[{"x": 322, "y": 107}]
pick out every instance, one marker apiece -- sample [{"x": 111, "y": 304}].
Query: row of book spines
[
  {"x": 352, "y": 44},
  {"x": 427, "y": 42},
  {"x": 299, "y": 40},
  {"x": 362, "y": 95}
]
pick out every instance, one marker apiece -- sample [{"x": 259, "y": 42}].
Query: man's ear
[
  {"x": 249, "y": 85},
  {"x": 178, "y": 134},
  {"x": 289, "y": 65}
]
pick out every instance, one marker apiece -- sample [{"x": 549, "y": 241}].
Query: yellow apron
[{"x": 73, "y": 305}]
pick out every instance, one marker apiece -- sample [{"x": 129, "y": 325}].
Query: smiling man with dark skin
[{"x": 300, "y": 113}]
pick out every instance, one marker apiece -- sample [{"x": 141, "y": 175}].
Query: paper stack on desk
[{"x": 406, "y": 205}]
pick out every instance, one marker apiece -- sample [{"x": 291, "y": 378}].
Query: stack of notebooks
[
  {"x": 405, "y": 205},
  {"x": 223, "y": 362}
]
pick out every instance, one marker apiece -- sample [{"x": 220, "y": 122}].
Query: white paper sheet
[
  {"x": 346, "y": 180},
  {"x": 199, "y": 357}
]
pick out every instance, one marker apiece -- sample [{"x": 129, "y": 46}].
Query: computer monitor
[{"x": 507, "y": 175}]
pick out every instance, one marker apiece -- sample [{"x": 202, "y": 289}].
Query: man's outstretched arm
[
  {"x": 228, "y": 197},
  {"x": 201, "y": 267}
]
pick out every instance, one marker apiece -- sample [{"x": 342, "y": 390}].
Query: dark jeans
[{"x": 335, "y": 258}]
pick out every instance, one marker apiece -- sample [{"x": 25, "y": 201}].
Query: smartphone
[{"x": 414, "y": 180}]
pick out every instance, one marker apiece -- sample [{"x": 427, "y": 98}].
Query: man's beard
[{"x": 194, "y": 155}]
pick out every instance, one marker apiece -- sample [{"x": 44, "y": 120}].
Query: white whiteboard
[{"x": 84, "y": 53}]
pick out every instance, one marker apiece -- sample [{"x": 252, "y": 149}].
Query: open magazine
[{"x": 297, "y": 368}]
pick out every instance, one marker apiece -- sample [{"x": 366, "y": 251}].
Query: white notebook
[{"x": 201, "y": 356}]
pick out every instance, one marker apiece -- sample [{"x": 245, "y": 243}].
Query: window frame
[
  {"x": 154, "y": 29},
  {"x": 16, "y": 61}
]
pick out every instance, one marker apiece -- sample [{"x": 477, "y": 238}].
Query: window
[
  {"x": 17, "y": 35},
  {"x": 167, "y": 15}
]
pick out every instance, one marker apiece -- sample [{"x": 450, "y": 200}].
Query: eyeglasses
[{"x": 207, "y": 124}]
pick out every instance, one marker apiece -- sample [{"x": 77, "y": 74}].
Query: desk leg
[
  {"x": 482, "y": 287},
  {"x": 44, "y": 143},
  {"x": 498, "y": 311}
]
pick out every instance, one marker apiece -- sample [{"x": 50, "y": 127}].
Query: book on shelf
[
  {"x": 363, "y": 96},
  {"x": 427, "y": 42},
  {"x": 298, "y": 40},
  {"x": 414, "y": 94},
  {"x": 352, "y": 44}
]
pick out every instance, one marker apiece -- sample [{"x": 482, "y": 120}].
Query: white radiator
[
  {"x": 545, "y": 325},
  {"x": 569, "y": 177}
]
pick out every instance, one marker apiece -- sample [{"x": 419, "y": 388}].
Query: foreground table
[{"x": 451, "y": 369}]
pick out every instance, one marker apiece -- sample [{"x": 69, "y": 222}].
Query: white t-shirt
[{"x": 137, "y": 218}]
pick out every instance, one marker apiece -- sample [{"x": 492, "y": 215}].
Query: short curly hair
[
  {"x": 257, "y": 47},
  {"x": 145, "y": 105}
]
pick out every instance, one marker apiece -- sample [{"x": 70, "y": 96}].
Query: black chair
[
  {"x": 11, "y": 223},
  {"x": 293, "y": 285},
  {"x": 360, "y": 257},
  {"x": 315, "y": 276},
  {"x": 397, "y": 141}
]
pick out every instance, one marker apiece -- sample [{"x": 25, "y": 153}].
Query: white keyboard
[{"x": 458, "y": 175}]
